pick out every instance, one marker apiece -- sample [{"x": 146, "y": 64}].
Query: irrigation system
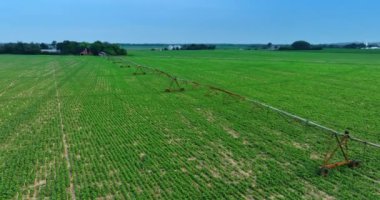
[
  {"x": 290, "y": 115},
  {"x": 341, "y": 137}
]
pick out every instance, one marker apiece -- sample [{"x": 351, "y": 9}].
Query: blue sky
[{"x": 186, "y": 21}]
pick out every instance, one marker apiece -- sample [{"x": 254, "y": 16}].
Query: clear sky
[{"x": 186, "y": 21}]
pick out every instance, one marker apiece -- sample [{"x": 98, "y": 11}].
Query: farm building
[
  {"x": 274, "y": 48},
  {"x": 85, "y": 52},
  {"x": 372, "y": 46},
  {"x": 174, "y": 47},
  {"x": 51, "y": 51}
]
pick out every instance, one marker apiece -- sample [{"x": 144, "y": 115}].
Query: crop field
[{"x": 86, "y": 128}]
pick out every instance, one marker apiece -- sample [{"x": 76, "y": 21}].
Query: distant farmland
[{"x": 87, "y": 128}]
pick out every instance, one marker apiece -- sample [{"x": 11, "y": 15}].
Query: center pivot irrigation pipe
[{"x": 290, "y": 115}]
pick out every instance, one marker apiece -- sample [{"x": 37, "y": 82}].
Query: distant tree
[
  {"x": 20, "y": 48},
  {"x": 97, "y": 47},
  {"x": 44, "y": 46},
  {"x": 66, "y": 47},
  {"x": 32, "y": 48},
  {"x": 269, "y": 45},
  {"x": 54, "y": 44},
  {"x": 198, "y": 47},
  {"x": 285, "y": 48},
  {"x": 355, "y": 46},
  {"x": 75, "y": 48},
  {"x": 71, "y": 47},
  {"x": 301, "y": 45}
]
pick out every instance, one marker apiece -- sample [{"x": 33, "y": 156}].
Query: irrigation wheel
[
  {"x": 323, "y": 171},
  {"x": 354, "y": 164}
]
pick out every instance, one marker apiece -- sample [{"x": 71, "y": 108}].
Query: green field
[{"x": 84, "y": 127}]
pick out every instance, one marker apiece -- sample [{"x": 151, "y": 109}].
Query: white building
[
  {"x": 174, "y": 47},
  {"x": 55, "y": 51},
  {"x": 368, "y": 46}
]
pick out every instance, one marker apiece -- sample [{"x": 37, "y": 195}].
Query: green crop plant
[{"x": 128, "y": 139}]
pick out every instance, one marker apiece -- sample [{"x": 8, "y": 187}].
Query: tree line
[
  {"x": 20, "y": 48},
  {"x": 198, "y": 47},
  {"x": 65, "y": 47},
  {"x": 75, "y": 48},
  {"x": 355, "y": 46},
  {"x": 301, "y": 45}
]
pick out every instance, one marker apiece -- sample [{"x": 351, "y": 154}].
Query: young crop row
[
  {"x": 337, "y": 90},
  {"x": 126, "y": 139},
  {"x": 31, "y": 153},
  {"x": 302, "y": 139}
]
